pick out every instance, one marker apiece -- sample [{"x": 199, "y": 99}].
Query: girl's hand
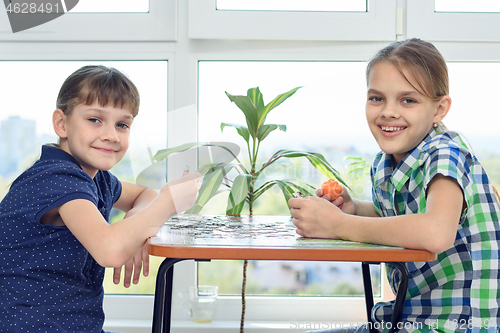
[
  {"x": 184, "y": 190},
  {"x": 315, "y": 217},
  {"x": 140, "y": 261},
  {"x": 344, "y": 201}
]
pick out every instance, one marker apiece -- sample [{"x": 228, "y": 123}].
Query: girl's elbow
[
  {"x": 440, "y": 234},
  {"x": 112, "y": 256},
  {"x": 438, "y": 246},
  {"x": 111, "y": 261},
  {"x": 440, "y": 243}
]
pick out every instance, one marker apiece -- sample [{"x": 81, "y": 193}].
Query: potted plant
[{"x": 244, "y": 187}]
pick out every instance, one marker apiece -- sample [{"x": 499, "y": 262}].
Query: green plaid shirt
[{"x": 460, "y": 291}]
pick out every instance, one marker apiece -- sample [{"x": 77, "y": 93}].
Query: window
[
  {"x": 280, "y": 5},
  {"x": 206, "y": 22},
  {"x": 453, "y": 20},
  {"x": 34, "y": 115},
  {"x": 312, "y": 122},
  {"x": 309, "y": 116},
  {"x": 25, "y": 126},
  {"x": 111, "y": 6},
  {"x": 481, "y": 6},
  {"x": 156, "y": 24}
]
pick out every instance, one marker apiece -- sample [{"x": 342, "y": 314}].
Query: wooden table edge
[{"x": 287, "y": 253}]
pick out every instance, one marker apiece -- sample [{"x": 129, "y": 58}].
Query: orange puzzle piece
[{"x": 332, "y": 187}]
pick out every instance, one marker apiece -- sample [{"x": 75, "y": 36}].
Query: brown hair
[
  {"x": 101, "y": 84},
  {"x": 422, "y": 60}
]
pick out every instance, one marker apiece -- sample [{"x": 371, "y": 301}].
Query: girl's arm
[
  {"x": 435, "y": 230},
  {"x": 133, "y": 199},
  {"x": 113, "y": 245},
  {"x": 364, "y": 208}
]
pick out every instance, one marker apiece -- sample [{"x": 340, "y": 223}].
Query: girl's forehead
[
  {"x": 110, "y": 108},
  {"x": 386, "y": 74},
  {"x": 386, "y": 68}
]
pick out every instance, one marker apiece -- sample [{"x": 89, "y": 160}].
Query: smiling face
[
  {"x": 96, "y": 136},
  {"x": 398, "y": 115}
]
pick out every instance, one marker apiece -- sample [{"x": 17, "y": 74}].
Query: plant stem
[
  {"x": 253, "y": 161},
  {"x": 245, "y": 262},
  {"x": 257, "y": 151},
  {"x": 243, "y": 301}
]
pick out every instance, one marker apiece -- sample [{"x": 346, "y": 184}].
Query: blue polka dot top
[{"x": 48, "y": 281}]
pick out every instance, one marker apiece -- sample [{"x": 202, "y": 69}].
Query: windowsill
[
  {"x": 230, "y": 326},
  {"x": 186, "y": 326}
]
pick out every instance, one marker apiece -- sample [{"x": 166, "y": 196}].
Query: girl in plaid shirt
[{"x": 429, "y": 192}]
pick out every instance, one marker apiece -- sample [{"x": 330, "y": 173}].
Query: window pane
[
  {"x": 294, "y": 278},
  {"x": 26, "y": 124},
  {"x": 325, "y": 116},
  {"x": 294, "y": 5},
  {"x": 467, "y": 6},
  {"x": 111, "y": 6}
]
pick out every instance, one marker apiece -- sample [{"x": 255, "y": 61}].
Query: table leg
[
  {"x": 367, "y": 284},
  {"x": 400, "y": 297},
  {"x": 163, "y": 296}
]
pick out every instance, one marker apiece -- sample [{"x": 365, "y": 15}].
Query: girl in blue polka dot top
[{"x": 55, "y": 239}]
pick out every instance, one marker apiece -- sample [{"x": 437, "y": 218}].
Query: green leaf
[
  {"x": 286, "y": 189},
  {"x": 238, "y": 194},
  {"x": 283, "y": 163},
  {"x": 213, "y": 166},
  {"x": 352, "y": 164},
  {"x": 246, "y": 105},
  {"x": 305, "y": 189},
  {"x": 256, "y": 96},
  {"x": 325, "y": 168},
  {"x": 355, "y": 158},
  {"x": 264, "y": 130},
  {"x": 359, "y": 172},
  {"x": 358, "y": 166},
  {"x": 164, "y": 153},
  {"x": 274, "y": 103},
  {"x": 292, "y": 185},
  {"x": 365, "y": 171},
  {"x": 210, "y": 185},
  {"x": 205, "y": 167},
  {"x": 263, "y": 188},
  {"x": 242, "y": 130},
  {"x": 317, "y": 160}
]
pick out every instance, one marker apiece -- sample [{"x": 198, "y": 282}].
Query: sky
[
  {"x": 330, "y": 107},
  {"x": 30, "y": 88}
]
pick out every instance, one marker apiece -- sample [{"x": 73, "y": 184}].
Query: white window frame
[
  {"x": 159, "y": 24},
  {"x": 423, "y": 22},
  {"x": 206, "y": 22}
]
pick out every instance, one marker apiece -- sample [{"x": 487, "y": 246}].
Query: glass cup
[{"x": 202, "y": 301}]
